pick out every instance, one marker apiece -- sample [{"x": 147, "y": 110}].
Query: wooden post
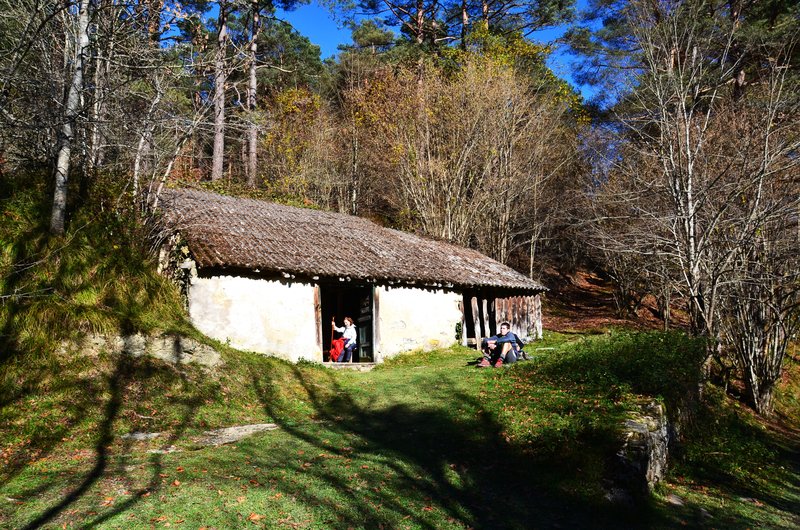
[
  {"x": 485, "y": 315},
  {"x": 463, "y": 321},
  {"x": 524, "y": 323},
  {"x": 318, "y": 320},
  {"x": 537, "y": 317},
  {"x": 376, "y": 329},
  {"x": 512, "y": 313},
  {"x": 476, "y": 322},
  {"x": 492, "y": 317}
]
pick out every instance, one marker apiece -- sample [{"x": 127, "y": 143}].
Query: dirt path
[{"x": 584, "y": 302}]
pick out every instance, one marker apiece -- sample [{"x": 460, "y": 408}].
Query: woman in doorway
[{"x": 349, "y": 334}]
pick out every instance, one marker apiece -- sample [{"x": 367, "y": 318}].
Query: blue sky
[{"x": 318, "y": 24}]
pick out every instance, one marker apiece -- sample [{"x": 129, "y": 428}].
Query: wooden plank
[
  {"x": 532, "y": 318},
  {"x": 526, "y": 317},
  {"x": 512, "y": 317},
  {"x": 318, "y": 320},
  {"x": 376, "y": 329},
  {"x": 537, "y": 317},
  {"x": 516, "y": 326},
  {"x": 463, "y": 321},
  {"x": 485, "y": 317},
  {"x": 492, "y": 317},
  {"x": 476, "y": 322}
]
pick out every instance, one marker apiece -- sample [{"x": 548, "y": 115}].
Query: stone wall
[
  {"x": 170, "y": 348},
  {"x": 264, "y": 316},
  {"x": 413, "y": 319},
  {"x": 641, "y": 461}
]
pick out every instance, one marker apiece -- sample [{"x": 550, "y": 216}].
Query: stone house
[{"x": 270, "y": 278}]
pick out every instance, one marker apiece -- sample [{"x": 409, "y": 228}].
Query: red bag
[{"x": 337, "y": 347}]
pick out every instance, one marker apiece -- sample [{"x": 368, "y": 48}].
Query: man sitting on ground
[{"x": 504, "y": 348}]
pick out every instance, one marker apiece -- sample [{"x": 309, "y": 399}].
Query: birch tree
[
  {"x": 220, "y": 77},
  {"x": 687, "y": 188},
  {"x": 72, "y": 107},
  {"x": 252, "y": 88}
]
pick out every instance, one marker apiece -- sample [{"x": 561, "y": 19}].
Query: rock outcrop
[
  {"x": 174, "y": 349},
  {"x": 641, "y": 462}
]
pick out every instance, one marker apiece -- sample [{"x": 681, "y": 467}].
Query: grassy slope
[{"x": 422, "y": 442}]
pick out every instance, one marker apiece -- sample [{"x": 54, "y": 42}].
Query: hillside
[{"x": 92, "y": 438}]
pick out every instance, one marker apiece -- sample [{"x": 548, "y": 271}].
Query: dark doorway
[
  {"x": 486, "y": 318},
  {"x": 348, "y": 301}
]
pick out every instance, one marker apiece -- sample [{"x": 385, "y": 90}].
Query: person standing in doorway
[{"x": 349, "y": 334}]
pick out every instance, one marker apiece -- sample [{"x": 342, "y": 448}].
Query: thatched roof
[{"x": 254, "y": 235}]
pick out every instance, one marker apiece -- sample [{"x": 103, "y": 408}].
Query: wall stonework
[
  {"x": 412, "y": 319},
  {"x": 175, "y": 349},
  {"x": 264, "y": 316},
  {"x": 641, "y": 461}
]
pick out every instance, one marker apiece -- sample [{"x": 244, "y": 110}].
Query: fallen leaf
[
  {"x": 254, "y": 517},
  {"x": 176, "y": 483}
]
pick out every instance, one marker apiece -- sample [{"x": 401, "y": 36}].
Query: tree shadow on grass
[
  {"x": 735, "y": 453},
  {"x": 108, "y": 448},
  {"x": 462, "y": 466}
]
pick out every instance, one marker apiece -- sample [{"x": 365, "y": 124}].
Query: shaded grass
[
  {"x": 409, "y": 445},
  {"x": 424, "y": 441},
  {"x": 96, "y": 279}
]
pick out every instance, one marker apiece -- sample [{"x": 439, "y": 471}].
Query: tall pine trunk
[
  {"x": 67, "y": 133},
  {"x": 252, "y": 132},
  {"x": 218, "y": 156},
  {"x": 464, "y": 24}
]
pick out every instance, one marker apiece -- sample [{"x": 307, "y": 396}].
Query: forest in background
[{"x": 680, "y": 181}]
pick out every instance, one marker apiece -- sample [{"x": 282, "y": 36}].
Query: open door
[{"x": 356, "y": 302}]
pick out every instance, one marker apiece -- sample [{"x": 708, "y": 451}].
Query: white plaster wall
[
  {"x": 263, "y": 316},
  {"x": 412, "y": 319}
]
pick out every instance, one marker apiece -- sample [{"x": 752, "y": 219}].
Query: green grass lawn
[{"x": 424, "y": 441}]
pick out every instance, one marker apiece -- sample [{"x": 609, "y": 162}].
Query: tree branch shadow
[{"x": 466, "y": 468}]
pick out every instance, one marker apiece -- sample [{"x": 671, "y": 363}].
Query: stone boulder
[
  {"x": 641, "y": 461},
  {"x": 174, "y": 349}
]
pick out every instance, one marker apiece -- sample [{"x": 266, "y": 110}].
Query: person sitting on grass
[
  {"x": 488, "y": 349},
  {"x": 504, "y": 348}
]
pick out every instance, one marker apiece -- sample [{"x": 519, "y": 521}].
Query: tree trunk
[
  {"x": 71, "y": 111},
  {"x": 145, "y": 139},
  {"x": 252, "y": 132},
  {"x": 354, "y": 171},
  {"x": 759, "y": 393},
  {"x": 217, "y": 160},
  {"x": 420, "y": 22},
  {"x": 464, "y": 24}
]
